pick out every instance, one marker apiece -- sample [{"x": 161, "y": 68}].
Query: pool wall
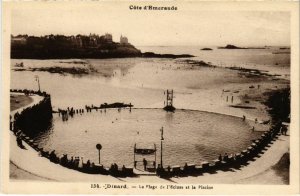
[{"x": 35, "y": 119}]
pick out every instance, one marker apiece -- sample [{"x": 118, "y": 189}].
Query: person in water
[
  {"x": 88, "y": 164},
  {"x": 185, "y": 168},
  {"x": 225, "y": 157},
  {"x": 220, "y": 157}
]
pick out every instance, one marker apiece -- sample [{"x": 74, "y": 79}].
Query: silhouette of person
[{"x": 145, "y": 164}]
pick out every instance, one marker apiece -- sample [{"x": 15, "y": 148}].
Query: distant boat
[
  {"x": 19, "y": 64},
  {"x": 206, "y": 49}
]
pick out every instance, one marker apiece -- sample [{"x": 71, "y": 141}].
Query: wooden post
[
  {"x": 167, "y": 96},
  {"x": 155, "y": 155},
  {"x": 38, "y": 81},
  {"x": 172, "y": 97},
  {"x": 161, "y": 146},
  {"x": 134, "y": 155},
  {"x": 99, "y": 157}
]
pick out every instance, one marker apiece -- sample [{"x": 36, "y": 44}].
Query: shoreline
[{"x": 109, "y": 55}]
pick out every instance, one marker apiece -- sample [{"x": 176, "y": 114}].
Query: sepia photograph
[{"x": 150, "y": 97}]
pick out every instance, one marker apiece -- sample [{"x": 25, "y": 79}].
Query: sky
[{"x": 160, "y": 28}]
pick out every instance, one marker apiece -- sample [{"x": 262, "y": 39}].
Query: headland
[{"x": 91, "y": 46}]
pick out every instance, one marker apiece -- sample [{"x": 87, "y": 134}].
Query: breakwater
[{"x": 221, "y": 163}]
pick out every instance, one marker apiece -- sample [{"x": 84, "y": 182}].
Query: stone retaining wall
[{"x": 36, "y": 118}]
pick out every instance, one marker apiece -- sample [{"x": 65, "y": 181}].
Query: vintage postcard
[{"x": 150, "y": 97}]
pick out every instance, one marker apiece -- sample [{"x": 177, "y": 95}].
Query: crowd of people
[
  {"x": 226, "y": 157},
  {"x": 65, "y": 113}
]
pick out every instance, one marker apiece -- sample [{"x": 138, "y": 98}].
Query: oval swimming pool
[{"x": 189, "y": 136}]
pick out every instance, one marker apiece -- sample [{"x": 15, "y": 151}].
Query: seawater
[
  {"x": 190, "y": 136},
  {"x": 271, "y": 58}
]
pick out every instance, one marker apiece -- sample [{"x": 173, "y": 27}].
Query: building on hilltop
[
  {"x": 19, "y": 40},
  {"x": 108, "y": 38},
  {"x": 123, "y": 40},
  {"x": 78, "y": 41},
  {"x": 74, "y": 41},
  {"x": 93, "y": 40}
]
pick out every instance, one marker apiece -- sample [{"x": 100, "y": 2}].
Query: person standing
[
  {"x": 145, "y": 164},
  {"x": 220, "y": 157}
]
